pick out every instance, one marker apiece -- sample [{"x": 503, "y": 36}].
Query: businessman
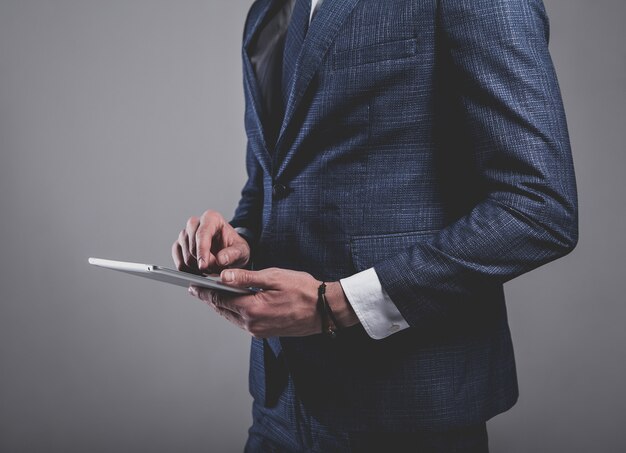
[{"x": 405, "y": 159}]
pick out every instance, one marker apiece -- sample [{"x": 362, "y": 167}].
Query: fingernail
[
  {"x": 192, "y": 290},
  {"x": 225, "y": 259},
  {"x": 228, "y": 276}
]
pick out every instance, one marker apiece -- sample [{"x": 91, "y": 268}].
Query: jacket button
[{"x": 279, "y": 191}]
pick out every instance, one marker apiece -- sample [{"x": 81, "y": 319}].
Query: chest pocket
[
  {"x": 380, "y": 31},
  {"x": 385, "y": 51}
]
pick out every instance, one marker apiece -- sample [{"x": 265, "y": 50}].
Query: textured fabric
[
  {"x": 300, "y": 432},
  {"x": 428, "y": 140},
  {"x": 372, "y": 305}
]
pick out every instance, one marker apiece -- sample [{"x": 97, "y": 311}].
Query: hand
[
  {"x": 286, "y": 307},
  {"x": 209, "y": 244}
]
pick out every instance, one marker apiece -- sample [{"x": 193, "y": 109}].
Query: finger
[
  {"x": 177, "y": 256},
  {"x": 184, "y": 247},
  {"x": 237, "y": 309},
  {"x": 204, "y": 294},
  {"x": 210, "y": 225},
  {"x": 221, "y": 299},
  {"x": 210, "y": 300},
  {"x": 190, "y": 228},
  {"x": 230, "y": 316},
  {"x": 211, "y": 297},
  {"x": 235, "y": 255},
  {"x": 265, "y": 279}
]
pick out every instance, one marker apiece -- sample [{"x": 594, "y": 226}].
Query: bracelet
[{"x": 329, "y": 323}]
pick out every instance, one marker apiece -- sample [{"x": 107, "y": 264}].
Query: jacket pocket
[
  {"x": 392, "y": 50},
  {"x": 367, "y": 250}
]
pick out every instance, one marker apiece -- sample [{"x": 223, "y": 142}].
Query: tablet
[{"x": 163, "y": 274}]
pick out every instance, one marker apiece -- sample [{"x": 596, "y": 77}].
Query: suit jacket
[{"x": 427, "y": 139}]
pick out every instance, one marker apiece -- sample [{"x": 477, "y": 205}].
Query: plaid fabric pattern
[{"x": 426, "y": 139}]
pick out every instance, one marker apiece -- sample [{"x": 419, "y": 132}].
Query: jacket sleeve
[
  {"x": 249, "y": 211},
  {"x": 516, "y": 132}
]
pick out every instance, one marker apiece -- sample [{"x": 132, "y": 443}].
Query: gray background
[{"x": 121, "y": 118}]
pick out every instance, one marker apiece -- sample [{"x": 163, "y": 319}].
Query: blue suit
[{"x": 426, "y": 139}]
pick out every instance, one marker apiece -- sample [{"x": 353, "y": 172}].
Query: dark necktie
[{"x": 296, "y": 33}]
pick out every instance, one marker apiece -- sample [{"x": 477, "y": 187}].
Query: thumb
[
  {"x": 244, "y": 279},
  {"x": 236, "y": 255}
]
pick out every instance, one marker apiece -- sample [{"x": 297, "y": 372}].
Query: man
[{"x": 413, "y": 156}]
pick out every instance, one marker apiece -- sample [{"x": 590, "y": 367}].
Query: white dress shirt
[{"x": 314, "y": 5}]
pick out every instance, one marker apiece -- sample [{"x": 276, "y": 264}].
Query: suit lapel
[
  {"x": 322, "y": 32},
  {"x": 252, "y": 86}
]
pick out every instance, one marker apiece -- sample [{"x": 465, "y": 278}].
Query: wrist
[{"x": 339, "y": 305}]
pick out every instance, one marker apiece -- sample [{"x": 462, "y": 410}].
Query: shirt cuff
[{"x": 372, "y": 305}]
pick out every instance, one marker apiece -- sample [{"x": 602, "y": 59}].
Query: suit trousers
[{"x": 289, "y": 428}]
